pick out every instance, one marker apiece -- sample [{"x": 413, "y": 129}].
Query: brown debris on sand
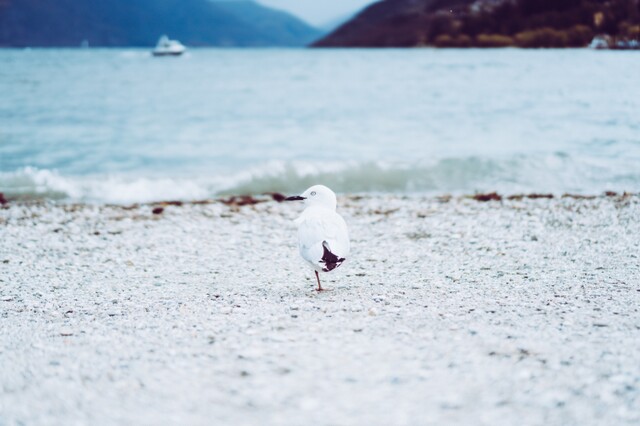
[
  {"x": 276, "y": 196},
  {"x": 169, "y": 203},
  {"x": 384, "y": 212},
  {"x": 536, "y": 196},
  {"x": 202, "y": 202},
  {"x": 533, "y": 196},
  {"x": 491, "y": 196},
  {"x": 579, "y": 196},
  {"x": 241, "y": 200}
]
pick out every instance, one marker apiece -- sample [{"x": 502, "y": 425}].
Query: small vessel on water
[
  {"x": 626, "y": 45},
  {"x": 599, "y": 43},
  {"x": 614, "y": 43},
  {"x": 168, "y": 47}
]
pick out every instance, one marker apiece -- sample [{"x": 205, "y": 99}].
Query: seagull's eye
[{"x": 313, "y": 193}]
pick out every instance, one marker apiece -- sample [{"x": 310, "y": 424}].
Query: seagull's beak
[{"x": 295, "y": 198}]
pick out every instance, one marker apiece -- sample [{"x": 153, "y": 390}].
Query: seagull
[{"x": 323, "y": 239}]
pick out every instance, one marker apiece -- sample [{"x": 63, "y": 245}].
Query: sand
[{"x": 447, "y": 312}]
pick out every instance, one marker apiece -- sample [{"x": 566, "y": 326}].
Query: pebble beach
[{"x": 450, "y": 310}]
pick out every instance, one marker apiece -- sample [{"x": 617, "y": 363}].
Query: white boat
[
  {"x": 168, "y": 47},
  {"x": 599, "y": 43}
]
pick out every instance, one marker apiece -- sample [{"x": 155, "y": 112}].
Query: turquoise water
[{"x": 121, "y": 126}]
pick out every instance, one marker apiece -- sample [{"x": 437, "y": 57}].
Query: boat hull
[{"x": 167, "y": 53}]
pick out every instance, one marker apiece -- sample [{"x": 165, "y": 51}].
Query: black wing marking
[{"x": 330, "y": 260}]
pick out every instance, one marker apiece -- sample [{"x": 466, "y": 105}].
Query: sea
[{"x": 121, "y": 126}]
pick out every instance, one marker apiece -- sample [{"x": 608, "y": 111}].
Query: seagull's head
[{"x": 317, "y": 195}]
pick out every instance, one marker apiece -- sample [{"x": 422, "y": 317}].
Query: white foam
[
  {"x": 32, "y": 183},
  {"x": 556, "y": 173}
]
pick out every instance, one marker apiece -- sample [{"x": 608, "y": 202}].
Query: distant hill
[
  {"x": 57, "y": 23},
  {"x": 487, "y": 23}
]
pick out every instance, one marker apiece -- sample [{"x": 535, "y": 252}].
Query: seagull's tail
[{"x": 329, "y": 259}]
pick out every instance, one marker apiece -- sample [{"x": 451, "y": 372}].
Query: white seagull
[{"x": 323, "y": 239}]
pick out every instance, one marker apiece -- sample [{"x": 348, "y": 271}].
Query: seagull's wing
[{"x": 323, "y": 239}]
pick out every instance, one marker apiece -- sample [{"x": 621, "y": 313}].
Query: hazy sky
[{"x": 318, "y": 12}]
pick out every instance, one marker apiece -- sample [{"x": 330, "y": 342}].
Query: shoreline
[
  {"x": 252, "y": 199},
  {"x": 449, "y": 310}
]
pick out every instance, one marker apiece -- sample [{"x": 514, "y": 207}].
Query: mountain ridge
[
  {"x": 139, "y": 23},
  {"x": 487, "y": 23}
]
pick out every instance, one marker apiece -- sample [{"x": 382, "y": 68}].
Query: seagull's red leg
[{"x": 318, "y": 278}]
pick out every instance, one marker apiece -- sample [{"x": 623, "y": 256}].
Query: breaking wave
[{"x": 556, "y": 172}]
